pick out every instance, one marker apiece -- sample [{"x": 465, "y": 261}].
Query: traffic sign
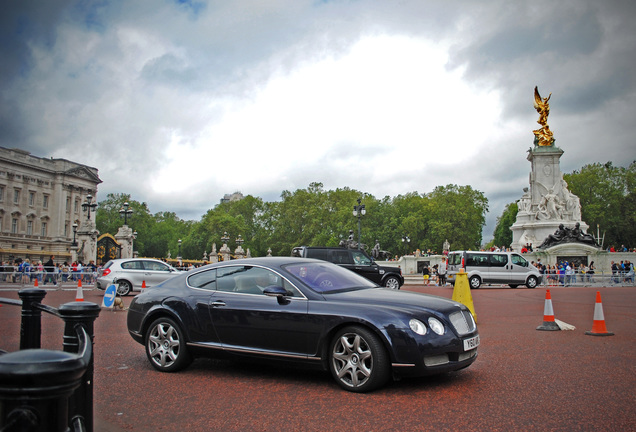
[{"x": 109, "y": 296}]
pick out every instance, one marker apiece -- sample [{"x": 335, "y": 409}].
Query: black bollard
[
  {"x": 31, "y": 325},
  {"x": 81, "y": 314}
]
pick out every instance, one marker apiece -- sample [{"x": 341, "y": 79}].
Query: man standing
[
  {"x": 441, "y": 273},
  {"x": 49, "y": 269}
]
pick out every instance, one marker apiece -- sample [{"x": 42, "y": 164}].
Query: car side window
[
  {"x": 155, "y": 266},
  {"x": 478, "y": 260},
  {"x": 132, "y": 265},
  {"x": 498, "y": 260},
  {"x": 203, "y": 280},
  {"x": 360, "y": 258},
  {"x": 518, "y": 260},
  {"x": 341, "y": 257}
]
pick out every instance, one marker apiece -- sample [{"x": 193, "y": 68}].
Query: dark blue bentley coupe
[{"x": 302, "y": 310}]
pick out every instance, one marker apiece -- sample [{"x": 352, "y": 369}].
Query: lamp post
[
  {"x": 179, "y": 253},
  {"x": 406, "y": 240},
  {"x": 125, "y": 212},
  {"x": 359, "y": 211},
  {"x": 239, "y": 241},
  {"x": 89, "y": 205},
  {"x": 74, "y": 227},
  {"x": 225, "y": 238}
]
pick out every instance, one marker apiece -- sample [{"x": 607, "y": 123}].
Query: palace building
[{"x": 43, "y": 202}]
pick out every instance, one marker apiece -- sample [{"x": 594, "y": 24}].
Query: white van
[{"x": 507, "y": 268}]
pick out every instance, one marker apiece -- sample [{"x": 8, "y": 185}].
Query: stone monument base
[{"x": 535, "y": 232}]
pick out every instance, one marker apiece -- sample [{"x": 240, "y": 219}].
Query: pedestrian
[
  {"x": 427, "y": 274},
  {"x": 441, "y": 273},
  {"x": 49, "y": 269}
]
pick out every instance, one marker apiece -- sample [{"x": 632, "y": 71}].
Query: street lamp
[
  {"x": 239, "y": 241},
  {"x": 125, "y": 212},
  {"x": 359, "y": 211},
  {"x": 406, "y": 240},
  {"x": 179, "y": 254},
  {"x": 89, "y": 205},
  {"x": 74, "y": 226}
]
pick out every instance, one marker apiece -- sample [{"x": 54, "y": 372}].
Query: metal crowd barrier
[
  {"x": 600, "y": 279},
  {"x": 45, "y": 390}
]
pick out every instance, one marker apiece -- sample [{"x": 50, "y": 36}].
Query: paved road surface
[{"x": 524, "y": 379}]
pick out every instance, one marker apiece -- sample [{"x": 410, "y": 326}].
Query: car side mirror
[{"x": 275, "y": 291}]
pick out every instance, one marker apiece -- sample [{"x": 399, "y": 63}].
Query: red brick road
[{"x": 524, "y": 379}]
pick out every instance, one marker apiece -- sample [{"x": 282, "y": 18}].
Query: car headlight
[
  {"x": 417, "y": 326},
  {"x": 436, "y": 325}
]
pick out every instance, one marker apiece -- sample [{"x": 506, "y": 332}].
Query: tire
[
  {"x": 531, "y": 282},
  {"x": 358, "y": 361},
  {"x": 513, "y": 285},
  {"x": 124, "y": 287},
  {"x": 474, "y": 282},
  {"x": 392, "y": 283},
  {"x": 166, "y": 346}
]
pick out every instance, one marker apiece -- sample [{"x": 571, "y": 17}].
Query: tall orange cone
[
  {"x": 548, "y": 315},
  {"x": 80, "y": 294},
  {"x": 143, "y": 285},
  {"x": 35, "y": 282},
  {"x": 598, "y": 327}
]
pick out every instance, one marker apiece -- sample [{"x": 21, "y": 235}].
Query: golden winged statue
[{"x": 543, "y": 136}]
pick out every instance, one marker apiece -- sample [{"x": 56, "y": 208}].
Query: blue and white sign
[{"x": 109, "y": 296}]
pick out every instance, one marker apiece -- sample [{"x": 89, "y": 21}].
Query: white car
[
  {"x": 130, "y": 274},
  {"x": 508, "y": 268}
]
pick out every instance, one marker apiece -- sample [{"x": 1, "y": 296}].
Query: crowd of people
[
  {"x": 567, "y": 274},
  {"x": 27, "y": 272}
]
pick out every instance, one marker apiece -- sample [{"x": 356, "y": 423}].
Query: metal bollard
[
  {"x": 35, "y": 385},
  {"x": 31, "y": 325}
]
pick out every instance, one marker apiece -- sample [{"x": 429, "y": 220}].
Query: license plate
[{"x": 471, "y": 343}]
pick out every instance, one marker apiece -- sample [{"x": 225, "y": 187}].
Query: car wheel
[
  {"x": 165, "y": 346},
  {"x": 513, "y": 285},
  {"x": 358, "y": 360},
  {"x": 392, "y": 283},
  {"x": 124, "y": 287},
  {"x": 475, "y": 282},
  {"x": 531, "y": 282}
]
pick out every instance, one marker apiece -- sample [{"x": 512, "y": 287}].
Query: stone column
[{"x": 125, "y": 238}]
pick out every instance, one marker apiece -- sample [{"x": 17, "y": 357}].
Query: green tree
[
  {"x": 502, "y": 236},
  {"x": 608, "y": 200}
]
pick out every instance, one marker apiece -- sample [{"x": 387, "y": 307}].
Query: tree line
[{"x": 311, "y": 217}]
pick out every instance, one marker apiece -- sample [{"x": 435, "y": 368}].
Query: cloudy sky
[{"x": 180, "y": 102}]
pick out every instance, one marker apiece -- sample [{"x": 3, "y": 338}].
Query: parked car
[
  {"x": 305, "y": 311},
  {"x": 507, "y": 268},
  {"x": 129, "y": 274},
  {"x": 357, "y": 261}
]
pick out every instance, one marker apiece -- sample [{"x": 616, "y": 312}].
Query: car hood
[{"x": 388, "y": 298}]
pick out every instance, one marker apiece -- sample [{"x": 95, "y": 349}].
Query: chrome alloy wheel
[
  {"x": 165, "y": 346},
  {"x": 352, "y": 360}
]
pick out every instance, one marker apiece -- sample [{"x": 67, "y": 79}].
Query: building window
[
  {"x": 68, "y": 204},
  {"x": 30, "y": 227},
  {"x": 1, "y": 193},
  {"x": 76, "y": 206},
  {"x": 66, "y": 229},
  {"x": 45, "y": 201},
  {"x": 31, "y": 199},
  {"x": 14, "y": 226},
  {"x": 43, "y": 233},
  {"x": 16, "y": 196}
]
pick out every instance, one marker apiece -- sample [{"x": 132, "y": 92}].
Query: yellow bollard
[{"x": 461, "y": 292}]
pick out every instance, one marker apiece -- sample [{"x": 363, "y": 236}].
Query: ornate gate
[{"x": 107, "y": 248}]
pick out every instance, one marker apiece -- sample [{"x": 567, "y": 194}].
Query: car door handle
[{"x": 218, "y": 303}]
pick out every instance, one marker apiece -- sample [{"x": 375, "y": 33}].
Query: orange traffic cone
[
  {"x": 80, "y": 294},
  {"x": 143, "y": 285},
  {"x": 598, "y": 327},
  {"x": 35, "y": 282},
  {"x": 548, "y": 315}
]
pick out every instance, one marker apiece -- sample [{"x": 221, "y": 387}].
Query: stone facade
[{"x": 40, "y": 200}]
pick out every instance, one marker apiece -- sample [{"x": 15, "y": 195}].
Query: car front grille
[{"x": 463, "y": 322}]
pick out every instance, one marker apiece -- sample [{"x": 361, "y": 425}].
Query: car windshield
[{"x": 327, "y": 277}]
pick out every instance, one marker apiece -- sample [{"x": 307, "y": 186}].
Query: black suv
[{"x": 355, "y": 260}]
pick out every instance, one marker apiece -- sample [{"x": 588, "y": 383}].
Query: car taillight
[{"x": 106, "y": 272}]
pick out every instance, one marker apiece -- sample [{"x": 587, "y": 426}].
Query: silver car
[
  {"x": 130, "y": 274},
  {"x": 493, "y": 268}
]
